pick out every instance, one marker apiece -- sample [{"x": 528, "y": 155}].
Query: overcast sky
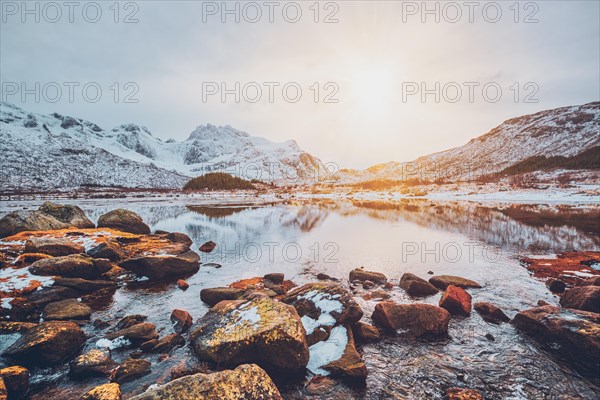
[{"x": 373, "y": 61}]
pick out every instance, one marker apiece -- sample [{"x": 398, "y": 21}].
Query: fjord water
[{"x": 301, "y": 239}]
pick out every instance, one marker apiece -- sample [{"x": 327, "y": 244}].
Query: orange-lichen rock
[{"x": 569, "y": 267}]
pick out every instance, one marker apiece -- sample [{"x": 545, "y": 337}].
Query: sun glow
[{"x": 372, "y": 91}]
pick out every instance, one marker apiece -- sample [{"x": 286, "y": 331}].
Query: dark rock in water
[
  {"x": 324, "y": 277},
  {"x": 365, "y": 333},
  {"x": 47, "y": 344},
  {"x": 556, "y": 285},
  {"x": 179, "y": 237},
  {"x": 108, "y": 391},
  {"x": 66, "y": 310},
  {"x": 83, "y": 285},
  {"x": 368, "y": 285},
  {"x": 490, "y": 337},
  {"x": 123, "y": 220},
  {"x": 69, "y": 214},
  {"x": 137, "y": 334},
  {"x": 351, "y": 364},
  {"x": 183, "y": 285},
  {"x": 131, "y": 369},
  {"x": 164, "y": 266},
  {"x": 16, "y": 379},
  {"x": 208, "y": 246},
  {"x": 74, "y": 266},
  {"x": 275, "y": 277},
  {"x": 53, "y": 246},
  {"x": 577, "y": 334},
  {"x": 262, "y": 331},
  {"x": 463, "y": 394},
  {"x": 443, "y": 281},
  {"x": 490, "y": 313},
  {"x": 412, "y": 320},
  {"x": 93, "y": 363},
  {"x": 131, "y": 320},
  {"x": 168, "y": 342},
  {"x": 111, "y": 250},
  {"x": 246, "y": 382},
  {"x": 212, "y": 296},
  {"x": 212, "y": 265},
  {"x": 181, "y": 320},
  {"x": 586, "y": 298},
  {"x": 416, "y": 287},
  {"x": 543, "y": 303},
  {"x": 456, "y": 301},
  {"x": 146, "y": 347},
  {"x": 362, "y": 275}
]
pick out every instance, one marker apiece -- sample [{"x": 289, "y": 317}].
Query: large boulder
[
  {"x": 53, "y": 246},
  {"x": 66, "y": 310},
  {"x": 490, "y": 313},
  {"x": 111, "y": 250},
  {"x": 365, "y": 333},
  {"x": 16, "y": 379},
  {"x": 181, "y": 320},
  {"x": 131, "y": 369},
  {"x": 74, "y": 266},
  {"x": 93, "y": 363},
  {"x": 260, "y": 331},
  {"x": 164, "y": 266},
  {"x": 247, "y": 381},
  {"x": 19, "y": 221},
  {"x": 212, "y": 296},
  {"x": 350, "y": 364},
  {"x": 69, "y": 214},
  {"x": 124, "y": 220},
  {"x": 83, "y": 285},
  {"x": 412, "y": 320},
  {"x": 443, "y": 281},
  {"x": 323, "y": 305},
  {"x": 577, "y": 334},
  {"x": 108, "y": 391},
  {"x": 362, "y": 275},
  {"x": 47, "y": 344},
  {"x": 416, "y": 287},
  {"x": 456, "y": 300},
  {"x": 586, "y": 298}
]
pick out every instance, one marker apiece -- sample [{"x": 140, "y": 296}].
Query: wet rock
[
  {"x": 247, "y": 381},
  {"x": 66, "y": 309},
  {"x": 123, "y": 220},
  {"x": 108, "y": 391},
  {"x": 130, "y": 370},
  {"x": 325, "y": 277},
  {"x": 577, "y": 334},
  {"x": 586, "y": 298},
  {"x": 362, "y": 275},
  {"x": 275, "y": 278},
  {"x": 412, "y": 320},
  {"x": 74, "y": 266},
  {"x": 456, "y": 301},
  {"x": 416, "y": 287},
  {"x": 16, "y": 380},
  {"x": 212, "y": 296},
  {"x": 443, "y": 281},
  {"x": 15, "y": 327},
  {"x": 365, "y": 333},
  {"x": 594, "y": 281},
  {"x": 463, "y": 394},
  {"x": 69, "y": 214},
  {"x": 131, "y": 320},
  {"x": 19, "y": 221},
  {"x": 263, "y": 331},
  {"x": 3, "y": 391},
  {"x": 490, "y": 337},
  {"x": 53, "y": 246},
  {"x": 49, "y": 343},
  {"x": 490, "y": 312},
  {"x": 29, "y": 258},
  {"x": 168, "y": 343},
  {"x": 543, "y": 303},
  {"x": 183, "y": 285},
  {"x": 181, "y": 320},
  {"x": 208, "y": 247},
  {"x": 111, "y": 250},
  {"x": 137, "y": 334},
  {"x": 163, "y": 266},
  {"x": 351, "y": 364},
  {"x": 179, "y": 237},
  {"x": 556, "y": 285},
  {"x": 146, "y": 347},
  {"x": 83, "y": 285},
  {"x": 93, "y": 363}
]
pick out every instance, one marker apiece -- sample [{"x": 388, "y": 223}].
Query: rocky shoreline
[{"x": 58, "y": 268}]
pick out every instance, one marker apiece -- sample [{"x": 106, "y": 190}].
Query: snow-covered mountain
[
  {"x": 46, "y": 152},
  {"x": 565, "y": 131}
]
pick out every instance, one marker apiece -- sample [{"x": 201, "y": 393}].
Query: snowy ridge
[{"x": 48, "y": 152}]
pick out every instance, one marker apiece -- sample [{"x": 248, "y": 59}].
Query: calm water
[{"x": 479, "y": 242}]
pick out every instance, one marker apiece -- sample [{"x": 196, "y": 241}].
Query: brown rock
[
  {"x": 111, "y": 250},
  {"x": 93, "y": 363},
  {"x": 443, "y": 281},
  {"x": 49, "y": 343},
  {"x": 15, "y": 327},
  {"x": 168, "y": 342},
  {"x": 181, "y": 320},
  {"x": 413, "y": 320},
  {"x": 19, "y": 221},
  {"x": 131, "y": 320},
  {"x": 3, "y": 391},
  {"x": 594, "y": 281},
  {"x": 456, "y": 301},
  {"x": 320, "y": 385},
  {"x": 362, "y": 275},
  {"x": 53, "y": 246},
  {"x": 123, "y": 220},
  {"x": 108, "y": 391},
  {"x": 586, "y": 298},
  {"x": 490, "y": 312},
  {"x": 69, "y": 214},
  {"x": 16, "y": 380},
  {"x": 208, "y": 246},
  {"x": 179, "y": 237},
  {"x": 212, "y": 296},
  {"x": 463, "y": 394},
  {"x": 147, "y": 346},
  {"x": 416, "y": 287},
  {"x": 275, "y": 278},
  {"x": 163, "y": 266},
  {"x": 74, "y": 266},
  {"x": 351, "y": 364},
  {"x": 365, "y": 333},
  {"x": 183, "y": 285},
  {"x": 130, "y": 370},
  {"x": 66, "y": 309},
  {"x": 83, "y": 285},
  {"x": 137, "y": 334}
]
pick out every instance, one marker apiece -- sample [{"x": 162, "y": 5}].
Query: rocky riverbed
[{"x": 265, "y": 337}]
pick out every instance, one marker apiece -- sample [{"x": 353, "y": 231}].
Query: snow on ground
[
  {"x": 327, "y": 304},
  {"x": 113, "y": 344},
  {"x": 332, "y": 349}
]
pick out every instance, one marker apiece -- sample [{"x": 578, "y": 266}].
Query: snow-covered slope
[
  {"x": 565, "y": 131},
  {"x": 46, "y": 152}
]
